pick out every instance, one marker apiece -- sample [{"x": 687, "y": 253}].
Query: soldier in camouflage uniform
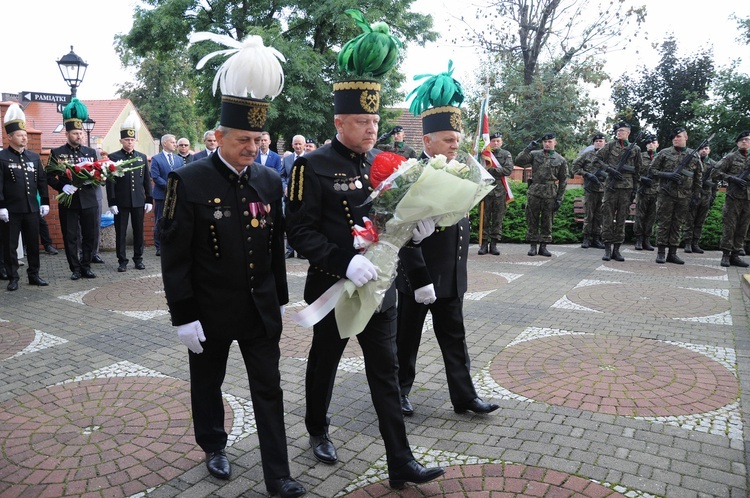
[
  {"x": 645, "y": 199},
  {"x": 399, "y": 146},
  {"x": 495, "y": 204},
  {"x": 735, "y": 169},
  {"x": 620, "y": 189},
  {"x": 700, "y": 205},
  {"x": 544, "y": 196},
  {"x": 676, "y": 188},
  {"x": 586, "y": 166}
]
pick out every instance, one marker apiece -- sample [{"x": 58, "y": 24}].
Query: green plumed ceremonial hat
[{"x": 74, "y": 114}]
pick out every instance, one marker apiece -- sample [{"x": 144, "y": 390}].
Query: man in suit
[
  {"x": 183, "y": 150},
  {"x": 22, "y": 178},
  {"x": 432, "y": 277},
  {"x": 81, "y": 218},
  {"x": 209, "y": 139},
  {"x": 129, "y": 196},
  {"x": 298, "y": 146},
  {"x": 161, "y": 165},
  {"x": 266, "y": 156}
]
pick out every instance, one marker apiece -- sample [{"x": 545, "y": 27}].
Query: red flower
[
  {"x": 88, "y": 167},
  {"x": 77, "y": 168},
  {"x": 68, "y": 174},
  {"x": 98, "y": 175},
  {"x": 112, "y": 167},
  {"x": 383, "y": 166}
]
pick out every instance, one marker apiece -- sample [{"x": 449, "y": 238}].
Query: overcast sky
[{"x": 99, "y": 21}]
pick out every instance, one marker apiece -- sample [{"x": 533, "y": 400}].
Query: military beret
[
  {"x": 310, "y": 141},
  {"x": 397, "y": 129},
  {"x": 649, "y": 139},
  {"x": 548, "y": 136},
  {"x": 622, "y": 124},
  {"x": 677, "y": 131},
  {"x": 598, "y": 136},
  {"x": 497, "y": 134},
  {"x": 742, "y": 135}
]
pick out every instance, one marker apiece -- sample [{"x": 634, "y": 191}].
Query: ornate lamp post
[
  {"x": 73, "y": 69},
  {"x": 88, "y": 127}
]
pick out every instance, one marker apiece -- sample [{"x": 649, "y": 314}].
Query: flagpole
[{"x": 480, "y": 125}]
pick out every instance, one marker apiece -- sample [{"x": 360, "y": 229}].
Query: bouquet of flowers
[
  {"x": 406, "y": 191},
  {"x": 89, "y": 173}
]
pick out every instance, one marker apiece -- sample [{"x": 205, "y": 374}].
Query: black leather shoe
[
  {"x": 323, "y": 449},
  {"x": 158, "y": 252},
  {"x": 75, "y": 275},
  {"x": 123, "y": 267},
  {"x": 140, "y": 266},
  {"x": 285, "y": 487},
  {"x": 88, "y": 274},
  {"x": 13, "y": 284},
  {"x": 51, "y": 250},
  {"x": 476, "y": 405},
  {"x": 96, "y": 259},
  {"x": 3, "y": 273},
  {"x": 406, "y": 407},
  {"x": 413, "y": 472},
  {"x": 218, "y": 464},
  {"x": 37, "y": 280}
]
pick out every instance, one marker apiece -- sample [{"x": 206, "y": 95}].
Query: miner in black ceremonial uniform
[
  {"x": 224, "y": 272},
  {"x": 327, "y": 193},
  {"x": 22, "y": 178},
  {"x": 129, "y": 196},
  {"x": 81, "y": 218}
]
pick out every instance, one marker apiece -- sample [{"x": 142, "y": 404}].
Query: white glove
[
  {"x": 283, "y": 309},
  {"x": 425, "y": 295},
  {"x": 148, "y": 207},
  {"x": 191, "y": 335},
  {"x": 424, "y": 229},
  {"x": 4, "y": 216},
  {"x": 361, "y": 270},
  {"x": 114, "y": 210},
  {"x": 44, "y": 210},
  {"x": 69, "y": 189}
]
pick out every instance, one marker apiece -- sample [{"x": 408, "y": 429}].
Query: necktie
[{"x": 170, "y": 161}]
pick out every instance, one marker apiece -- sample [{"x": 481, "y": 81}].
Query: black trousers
[
  {"x": 75, "y": 223},
  {"x": 26, "y": 224},
  {"x": 378, "y": 342},
  {"x": 44, "y": 235},
  {"x": 207, "y": 370},
  {"x": 121, "y": 233},
  {"x": 448, "y": 324}
]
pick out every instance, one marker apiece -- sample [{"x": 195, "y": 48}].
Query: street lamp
[
  {"x": 73, "y": 69},
  {"x": 88, "y": 127}
]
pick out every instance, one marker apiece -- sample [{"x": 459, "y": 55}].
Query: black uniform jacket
[
  {"x": 222, "y": 255},
  {"x": 21, "y": 178},
  {"x": 133, "y": 189},
  {"x": 85, "y": 197},
  {"x": 327, "y": 192},
  {"x": 440, "y": 259}
]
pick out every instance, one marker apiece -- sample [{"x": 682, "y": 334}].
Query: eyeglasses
[{"x": 183, "y": 145}]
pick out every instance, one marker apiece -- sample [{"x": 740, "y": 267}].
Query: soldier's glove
[
  {"x": 558, "y": 203},
  {"x": 615, "y": 174},
  {"x": 361, "y": 270},
  {"x": 385, "y": 136},
  {"x": 148, "y": 207},
  {"x": 424, "y": 229},
  {"x": 737, "y": 181},
  {"x": 43, "y": 210},
  {"x": 4, "y": 216},
  {"x": 69, "y": 189},
  {"x": 672, "y": 175},
  {"x": 646, "y": 181},
  {"x": 591, "y": 177},
  {"x": 425, "y": 295},
  {"x": 114, "y": 210},
  {"x": 532, "y": 145},
  {"x": 191, "y": 335}
]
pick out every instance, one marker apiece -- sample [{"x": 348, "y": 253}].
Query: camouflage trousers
[
  {"x": 670, "y": 216},
  {"x": 645, "y": 215},
  {"x": 736, "y": 219},
  {"x": 539, "y": 214},
  {"x": 695, "y": 219},
  {"x": 592, "y": 205},
  {"x": 494, "y": 213},
  {"x": 615, "y": 210}
]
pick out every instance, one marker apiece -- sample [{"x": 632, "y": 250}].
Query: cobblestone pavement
[{"x": 614, "y": 379}]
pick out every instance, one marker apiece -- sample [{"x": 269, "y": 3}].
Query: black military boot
[
  {"x": 688, "y": 246},
  {"x": 742, "y": 252},
  {"x": 647, "y": 244},
  {"x": 725, "y": 258},
  {"x": 734, "y": 260},
  {"x": 661, "y": 257},
  {"x": 696, "y": 248},
  {"x": 746, "y": 247},
  {"x": 493, "y": 248},
  {"x": 639, "y": 243},
  {"x": 607, "y": 252},
  {"x": 532, "y": 250},
  {"x": 543, "y": 250},
  {"x": 597, "y": 243},
  {"x": 672, "y": 256},
  {"x": 483, "y": 248},
  {"x": 616, "y": 253},
  {"x": 586, "y": 242}
]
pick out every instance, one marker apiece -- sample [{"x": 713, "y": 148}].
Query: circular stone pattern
[
  {"x": 480, "y": 481},
  {"x": 119, "y": 435},
  {"x": 296, "y": 340},
  {"x": 484, "y": 281},
  {"x": 140, "y": 294},
  {"x": 13, "y": 338},
  {"x": 648, "y": 300},
  {"x": 630, "y": 377},
  {"x": 651, "y": 268}
]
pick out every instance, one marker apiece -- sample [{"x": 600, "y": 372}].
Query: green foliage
[{"x": 714, "y": 226}]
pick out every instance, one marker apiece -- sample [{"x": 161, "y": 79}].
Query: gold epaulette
[{"x": 297, "y": 184}]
